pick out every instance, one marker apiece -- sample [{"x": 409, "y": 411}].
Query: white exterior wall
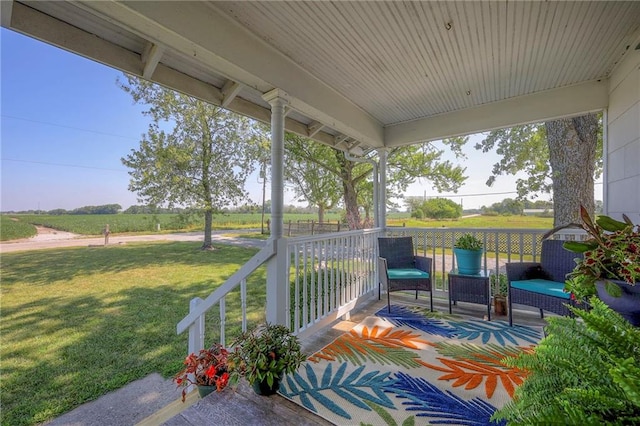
[{"x": 622, "y": 145}]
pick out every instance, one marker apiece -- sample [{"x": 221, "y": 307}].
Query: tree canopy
[
  {"x": 562, "y": 157},
  {"x": 405, "y": 165},
  {"x": 194, "y": 154}
]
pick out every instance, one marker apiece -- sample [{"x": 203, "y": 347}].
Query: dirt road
[{"x": 50, "y": 238}]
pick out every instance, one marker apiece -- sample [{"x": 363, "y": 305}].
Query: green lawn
[{"x": 78, "y": 323}]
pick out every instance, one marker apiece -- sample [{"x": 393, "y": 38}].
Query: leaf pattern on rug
[
  {"x": 441, "y": 407},
  {"x": 354, "y": 388},
  {"x": 491, "y": 354},
  {"x": 473, "y": 364},
  {"x": 472, "y": 374},
  {"x": 426, "y": 321},
  {"x": 386, "y": 417},
  {"x": 381, "y": 346},
  {"x": 499, "y": 330}
]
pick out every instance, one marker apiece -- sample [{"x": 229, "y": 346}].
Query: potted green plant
[
  {"x": 468, "y": 252},
  {"x": 264, "y": 355},
  {"x": 208, "y": 370},
  {"x": 610, "y": 266}
]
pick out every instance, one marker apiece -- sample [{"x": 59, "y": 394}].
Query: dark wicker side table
[{"x": 470, "y": 288}]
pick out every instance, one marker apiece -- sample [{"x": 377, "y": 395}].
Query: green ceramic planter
[{"x": 205, "y": 390}]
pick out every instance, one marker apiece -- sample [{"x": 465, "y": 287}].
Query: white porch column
[
  {"x": 382, "y": 198},
  {"x": 277, "y": 276}
]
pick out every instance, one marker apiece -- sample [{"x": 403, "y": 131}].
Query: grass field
[
  {"x": 78, "y": 323},
  {"x": 533, "y": 222},
  {"x": 13, "y": 229},
  {"x": 19, "y": 226},
  {"x": 140, "y": 223}
]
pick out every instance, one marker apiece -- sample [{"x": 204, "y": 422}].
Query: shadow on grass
[
  {"x": 45, "y": 266},
  {"x": 70, "y": 348}
]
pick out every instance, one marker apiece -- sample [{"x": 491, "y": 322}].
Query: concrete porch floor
[{"x": 243, "y": 407}]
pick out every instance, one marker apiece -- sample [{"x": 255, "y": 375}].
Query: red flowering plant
[
  {"x": 612, "y": 252},
  {"x": 209, "y": 367}
]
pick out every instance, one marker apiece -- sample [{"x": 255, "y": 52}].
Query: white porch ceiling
[{"x": 359, "y": 74}]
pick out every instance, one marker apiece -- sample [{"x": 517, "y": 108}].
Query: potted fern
[
  {"x": 582, "y": 373},
  {"x": 468, "y": 252}
]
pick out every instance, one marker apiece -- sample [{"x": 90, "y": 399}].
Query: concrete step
[{"x": 242, "y": 407}]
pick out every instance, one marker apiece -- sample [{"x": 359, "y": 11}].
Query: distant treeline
[{"x": 117, "y": 208}]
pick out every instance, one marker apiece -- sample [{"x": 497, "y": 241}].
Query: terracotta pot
[
  {"x": 627, "y": 305},
  {"x": 500, "y": 305}
]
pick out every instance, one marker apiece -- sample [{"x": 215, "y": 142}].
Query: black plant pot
[
  {"x": 627, "y": 305},
  {"x": 263, "y": 388}
]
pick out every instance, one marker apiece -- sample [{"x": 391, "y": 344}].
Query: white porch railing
[{"x": 331, "y": 274}]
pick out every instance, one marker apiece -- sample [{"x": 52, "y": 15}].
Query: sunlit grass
[
  {"x": 515, "y": 221},
  {"x": 78, "y": 323}
]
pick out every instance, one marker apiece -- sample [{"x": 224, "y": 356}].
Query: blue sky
[{"x": 66, "y": 125}]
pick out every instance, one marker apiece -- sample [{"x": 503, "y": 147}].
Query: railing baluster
[
  {"x": 223, "y": 319},
  {"x": 296, "y": 312},
  {"x": 196, "y": 330},
  {"x": 313, "y": 290},
  {"x": 325, "y": 278},
  {"x": 305, "y": 307},
  {"x": 243, "y": 303}
]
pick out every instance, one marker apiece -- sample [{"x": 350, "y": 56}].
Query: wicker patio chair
[
  {"x": 540, "y": 284},
  {"x": 400, "y": 269}
]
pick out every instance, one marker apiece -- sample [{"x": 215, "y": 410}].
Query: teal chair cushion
[
  {"x": 406, "y": 273},
  {"x": 549, "y": 288}
]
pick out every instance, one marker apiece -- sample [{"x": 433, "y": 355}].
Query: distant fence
[{"x": 309, "y": 227}]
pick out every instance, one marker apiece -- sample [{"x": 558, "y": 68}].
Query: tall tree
[
  {"x": 193, "y": 154},
  {"x": 317, "y": 184},
  {"x": 562, "y": 156},
  {"x": 405, "y": 165}
]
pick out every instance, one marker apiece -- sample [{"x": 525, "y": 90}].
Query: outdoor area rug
[{"x": 412, "y": 366}]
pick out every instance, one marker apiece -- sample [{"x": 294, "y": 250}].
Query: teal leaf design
[
  {"x": 499, "y": 330},
  {"x": 355, "y": 388},
  {"x": 440, "y": 407}
]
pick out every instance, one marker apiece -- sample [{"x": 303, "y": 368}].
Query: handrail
[
  {"x": 266, "y": 253},
  {"x": 343, "y": 234}
]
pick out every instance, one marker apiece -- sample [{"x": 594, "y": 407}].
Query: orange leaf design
[
  {"x": 373, "y": 340},
  {"x": 472, "y": 373}
]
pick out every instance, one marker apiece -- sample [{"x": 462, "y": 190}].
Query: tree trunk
[
  {"x": 320, "y": 213},
  {"x": 572, "y": 153},
  {"x": 350, "y": 193},
  {"x": 208, "y": 221}
]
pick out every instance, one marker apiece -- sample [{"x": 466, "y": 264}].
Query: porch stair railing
[{"x": 195, "y": 320}]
